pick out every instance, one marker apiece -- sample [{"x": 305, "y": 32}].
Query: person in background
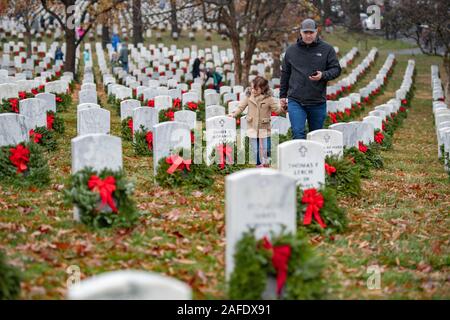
[
  {"x": 196, "y": 67},
  {"x": 328, "y": 25},
  {"x": 307, "y": 67},
  {"x": 86, "y": 55},
  {"x": 217, "y": 77},
  {"x": 260, "y": 105},
  {"x": 115, "y": 40},
  {"x": 123, "y": 57},
  {"x": 59, "y": 55},
  {"x": 114, "y": 61}
]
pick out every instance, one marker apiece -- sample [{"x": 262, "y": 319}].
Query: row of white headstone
[
  {"x": 441, "y": 114},
  {"x": 356, "y": 73}
]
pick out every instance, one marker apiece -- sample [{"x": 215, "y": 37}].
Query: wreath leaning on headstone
[
  {"x": 104, "y": 199},
  {"x": 318, "y": 211},
  {"x": 287, "y": 258},
  {"x": 342, "y": 176},
  {"x": 176, "y": 171},
  {"x": 23, "y": 165}
]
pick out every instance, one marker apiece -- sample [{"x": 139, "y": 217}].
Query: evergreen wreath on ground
[
  {"x": 104, "y": 199},
  {"x": 342, "y": 176},
  {"x": 24, "y": 165},
  {"x": 43, "y": 137},
  {"x": 365, "y": 158},
  {"x": 55, "y": 122},
  {"x": 383, "y": 139},
  {"x": 224, "y": 157},
  {"x": 174, "y": 171},
  {"x": 289, "y": 258},
  {"x": 63, "y": 101},
  {"x": 127, "y": 129},
  {"x": 319, "y": 211},
  {"x": 143, "y": 142},
  {"x": 9, "y": 280}
]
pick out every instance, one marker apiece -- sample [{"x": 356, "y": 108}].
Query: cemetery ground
[{"x": 400, "y": 221}]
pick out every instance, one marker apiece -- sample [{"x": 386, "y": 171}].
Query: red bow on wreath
[
  {"x": 177, "y": 103},
  {"x": 315, "y": 201},
  {"x": 177, "y": 163},
  {"x": 130, "y": 126},
  {"x": 329, "y": 169},
  {"x": 149, "y": 139},
  {"x": 14, "y": 103},
  {"x": 36, "y": 137},
  {"x": 50, "y": 120},
  {"x": 280, "y": 260},
  {"x": 225, "y": 152},
  {"x": 20, "y": 156},
  {"x": 105, "y": 188},
  {"x": 379, "y": 137},
  {"x": 362, "y": 147},
  {"x": 192, "y": 106}
]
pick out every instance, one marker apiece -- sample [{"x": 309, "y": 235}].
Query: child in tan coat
[{"x": 260, "y": 105}]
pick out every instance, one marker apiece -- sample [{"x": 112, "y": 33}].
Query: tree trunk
[
  {"x": 173, "y": 17},
  {"x": 105, "y": 35},
  {"x": 327, "y": 8},
  {"x": 69, "y": 64},
  {"x": 236, "y": 46},
  {"x": 29, "y": 39},
  {"x": 447, "y": 81},
  {"x": 355, "y": 20},
  {"x": 137, "y": 23},
  {"x": 249, "y": 50},
  {"x": 276, "y": 62}
]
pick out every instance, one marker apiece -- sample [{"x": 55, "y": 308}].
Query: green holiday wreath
[
  {"x": 127, "y": 129},
  {"x": 383, "y": 139},
  {"x": 55, "y": 122},
  {"x": 343, "y": 176},
  {"x": 63, "y": 101},
  {"x": 44, "y": 137},
  {"x": 104, "y": 199},
  {"x": 24, "y": 165},
  {"x": 191, "y": 176},
  {"x": 223, "y": 159},
  {"x": 9, "y": 280},
  {"x": 254, "y": 268},
  {"x": 143, "y": 142},
  {"x": 318, "y": 211}
]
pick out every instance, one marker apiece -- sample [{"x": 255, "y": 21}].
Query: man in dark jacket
[
  {"x": 196, "y": 67},
  {"x": 307, "y": 67}
]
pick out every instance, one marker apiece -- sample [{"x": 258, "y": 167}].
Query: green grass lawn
[{"x": 399, "y": 223}]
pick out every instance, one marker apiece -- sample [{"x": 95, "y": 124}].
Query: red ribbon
[
  {"x": 14, "y": 103},
  {"x": 315, "y": 201},
  {"x": 149, "y": 139},
  {"x": 362, "y": 147},
  {"x": 20, "y": 156},
  {"x": 22, "y": 95},
  {"x": 280, "y": 260},
  {"x": 192, "y": 106},
  {"x": 50, "y": 120},
  {"x": 379, "y": 137},
  {"x": 332, "y": 117},
  {"x": 130, "y": 126},
  {"x": 177, "y": 103},
  {"x": 36, "y": 137},
  {"x": 329, "y": 169},
  {"x": 105, "y": 188},
  {"x": 177, "y": 163},
  {"x": 225, "y": 152},
  {"x": 58, "y": 99},
  {"x": 170, "y": 114},
  {"x": 151, "y": 103}
]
